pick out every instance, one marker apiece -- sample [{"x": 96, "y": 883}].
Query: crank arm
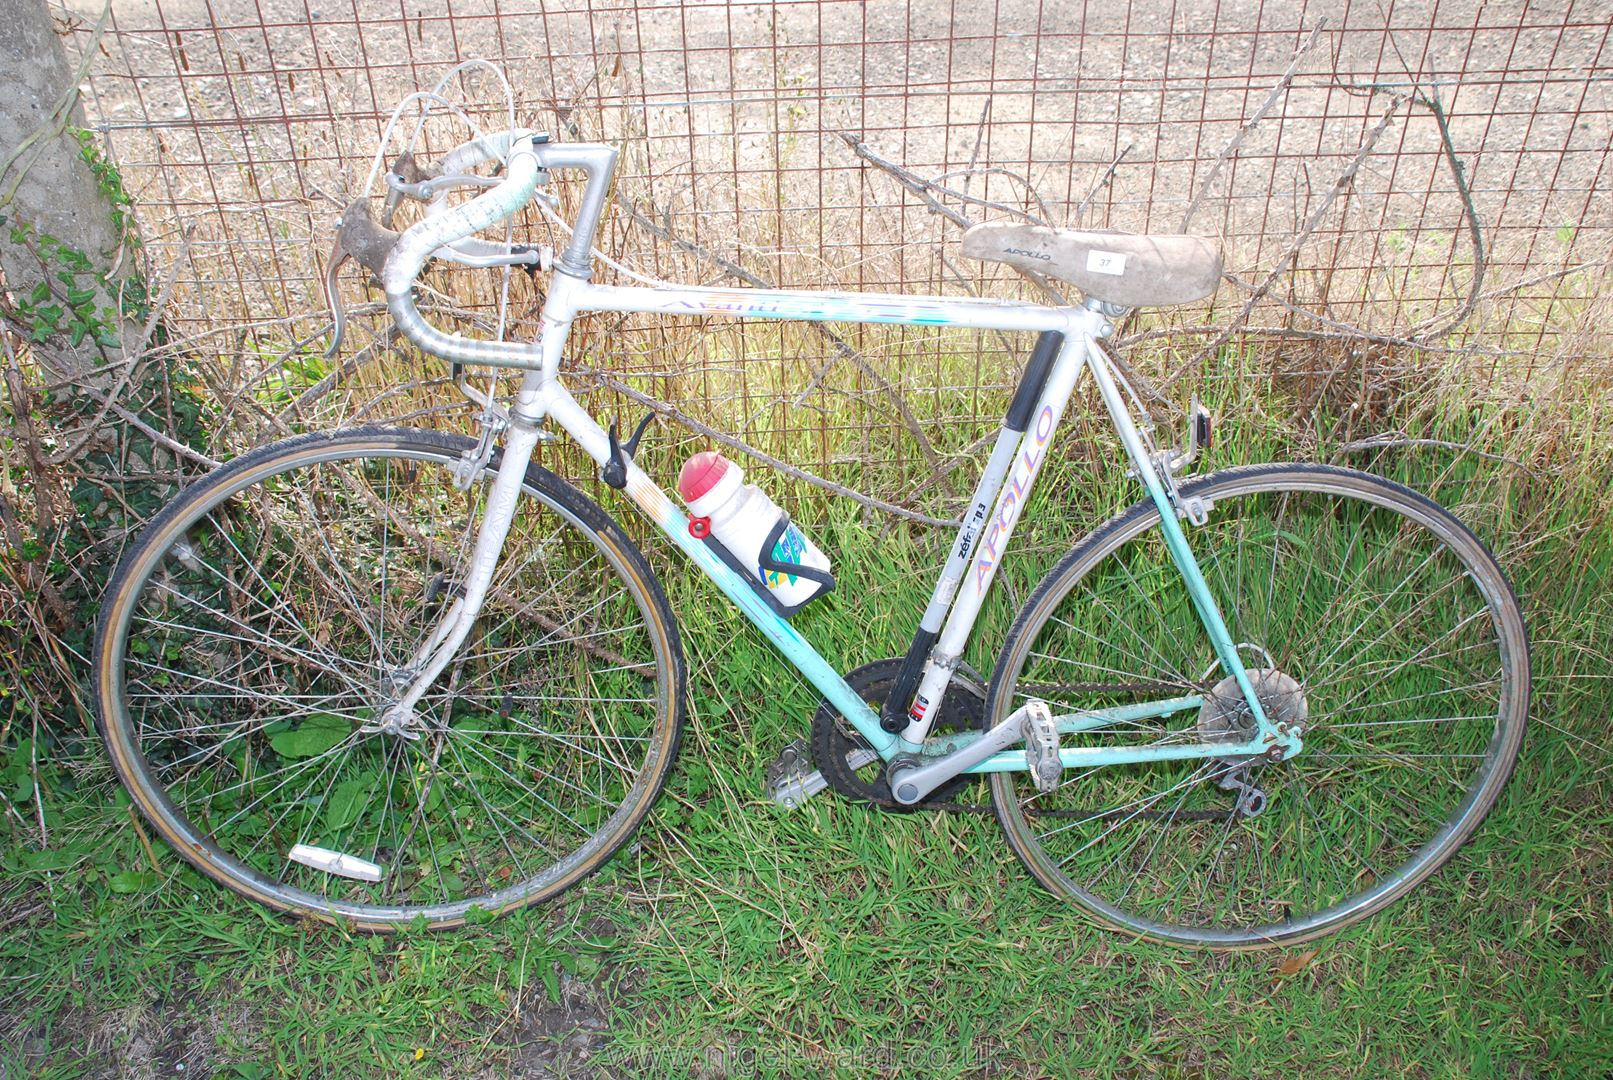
[{"x": 911, "y": 782}]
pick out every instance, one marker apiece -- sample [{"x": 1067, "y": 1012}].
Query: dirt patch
[
  {"x": 559, "y": 1038},
  {"x": 174, "y": 1036}
]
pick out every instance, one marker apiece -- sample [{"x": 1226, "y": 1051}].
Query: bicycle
[{"x": 387, "y": 675}]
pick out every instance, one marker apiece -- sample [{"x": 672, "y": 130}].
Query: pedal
[
  {"x": 790, "y": 780},
  {"x": 1042, "y": 745}
]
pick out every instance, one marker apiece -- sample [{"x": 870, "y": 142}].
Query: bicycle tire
[
  {"x": 1122, "y": 576},
  {"x": 283, "y": 665}
]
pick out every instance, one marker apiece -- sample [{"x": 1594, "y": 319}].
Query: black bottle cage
[{"x": 823, "y": 577}]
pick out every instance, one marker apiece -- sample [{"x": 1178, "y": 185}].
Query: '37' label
[{"x": 1106, "y": 262}]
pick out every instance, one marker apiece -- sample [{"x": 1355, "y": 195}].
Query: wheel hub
[
  {"x": 1225, "y": 715},
  {"x": 394, "y": 719}
]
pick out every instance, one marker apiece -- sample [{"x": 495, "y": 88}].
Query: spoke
[
  {"x": 1377, "y": 677},
  {"x": 1197, "y": 776},
  {"x": 1401, "y": 761},
  {"x": 1382, "y": 604},
  {"x": 529, "y": 791},
  {"x": 1140, "y": 803},
  {"x": 1378, "y": 826},
  {"x": 377, "y": 641},
  {"x": 393, "y": 757},
  {"x": 248, "y": 635},
  {"x": 1139, "y": 591},
  {"x": 529, "y": 649},
  {"x": 551, "y": 589},
  {"x": 325, "y": 660},
  {"x": 1169, "y": 673},
  {"x": 1380, "y": 705},
  {"x": 1340, "y": 886},
  {"x": 289, "y": 772},
  {"x": 1404, "y": 722},
  {"x": 552, "y": 775},
  {"x": 562, "y": 740},
  {"x": 294, "y": 804},
  {"x": 492, "y": 816},
  {"x": 1276, "y": 545},
  {"x": 215, "y": 682},
  {"x": 1328, "y": 617},
  {"x": 1087, "y": 665},
  {"x": 465, "y": 845},
  {"x": 1160, "y": 833},
  {"x": 386, "y": 569},
  {"x": 589, "y": 699},
  {"x": 280, "y": 612}
]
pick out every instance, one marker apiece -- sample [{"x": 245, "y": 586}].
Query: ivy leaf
[
  {"x": 348, "y": 801},
  {"x": 317, "y": 734},
  {"x": 131, "y": 881}
]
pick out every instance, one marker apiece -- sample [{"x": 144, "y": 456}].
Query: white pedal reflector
[{"x": 335, "y": 862}]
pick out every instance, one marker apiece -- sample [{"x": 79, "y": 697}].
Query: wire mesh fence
[{"x": 1423, "y": 181}]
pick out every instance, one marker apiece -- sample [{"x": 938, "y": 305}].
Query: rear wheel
[
  {"x": 1364, "y": 612},
  {"x": 264, "y": 621}
]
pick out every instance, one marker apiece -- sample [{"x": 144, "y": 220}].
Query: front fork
[
  {"x": 435, "y": 652},
  {"x": 521, "y": 437}
]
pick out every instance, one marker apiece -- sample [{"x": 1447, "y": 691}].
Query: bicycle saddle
[{"x": 1120, "y": 268}]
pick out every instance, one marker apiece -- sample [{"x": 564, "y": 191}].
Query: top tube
[{"x": 800, "y": 305}]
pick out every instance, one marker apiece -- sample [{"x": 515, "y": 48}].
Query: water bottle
[{"x": 760, "y": 536}]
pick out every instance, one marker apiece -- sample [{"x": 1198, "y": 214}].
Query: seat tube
[{"x": 996, "y": 533}]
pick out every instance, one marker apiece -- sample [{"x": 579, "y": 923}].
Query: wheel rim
[
  {"x": 1415, "y": 693},
  {"x": 261, "y": 637}
]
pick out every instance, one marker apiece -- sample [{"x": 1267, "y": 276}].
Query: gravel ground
[{"x": 728, "y": 109}]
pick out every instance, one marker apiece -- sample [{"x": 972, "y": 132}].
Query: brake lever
[
  {"x": 338, "y": 315},
  {"x": 406, "y": 173},
  {"x": 357, "y": 237}
]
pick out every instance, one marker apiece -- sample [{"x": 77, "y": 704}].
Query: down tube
[{"x": 672, "y": 521}]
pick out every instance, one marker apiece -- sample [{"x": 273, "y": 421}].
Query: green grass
[{"x": 734, "y": 939}]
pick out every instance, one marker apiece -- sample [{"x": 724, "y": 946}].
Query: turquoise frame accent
[
  {"x": 796, "y": 649},
  {"x": 671, "y": 520}
]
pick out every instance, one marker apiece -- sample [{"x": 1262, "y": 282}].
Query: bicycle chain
[
  {"x": 1094, "y": 815},
  {"x": 874, "y": 676}
]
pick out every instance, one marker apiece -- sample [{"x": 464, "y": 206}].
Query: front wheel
[
  {"x": 1361, "y": 610},
  {"x": 263, "y": 623}
]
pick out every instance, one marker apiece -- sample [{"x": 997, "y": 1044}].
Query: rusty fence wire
[{"x": 1425, "y": 181}]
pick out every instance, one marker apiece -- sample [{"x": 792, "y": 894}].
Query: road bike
[{"x": 386, "y": 676}]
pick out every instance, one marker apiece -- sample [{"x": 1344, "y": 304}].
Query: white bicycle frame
[{"x": 1003, "y": 491}]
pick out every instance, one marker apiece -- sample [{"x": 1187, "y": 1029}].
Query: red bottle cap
[{"x": 700, "y": 474}]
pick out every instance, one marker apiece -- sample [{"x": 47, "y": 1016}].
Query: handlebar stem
[{"x": 598, "y": 161}]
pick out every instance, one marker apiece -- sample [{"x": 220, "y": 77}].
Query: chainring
[{"x": 834, "y": 739}]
